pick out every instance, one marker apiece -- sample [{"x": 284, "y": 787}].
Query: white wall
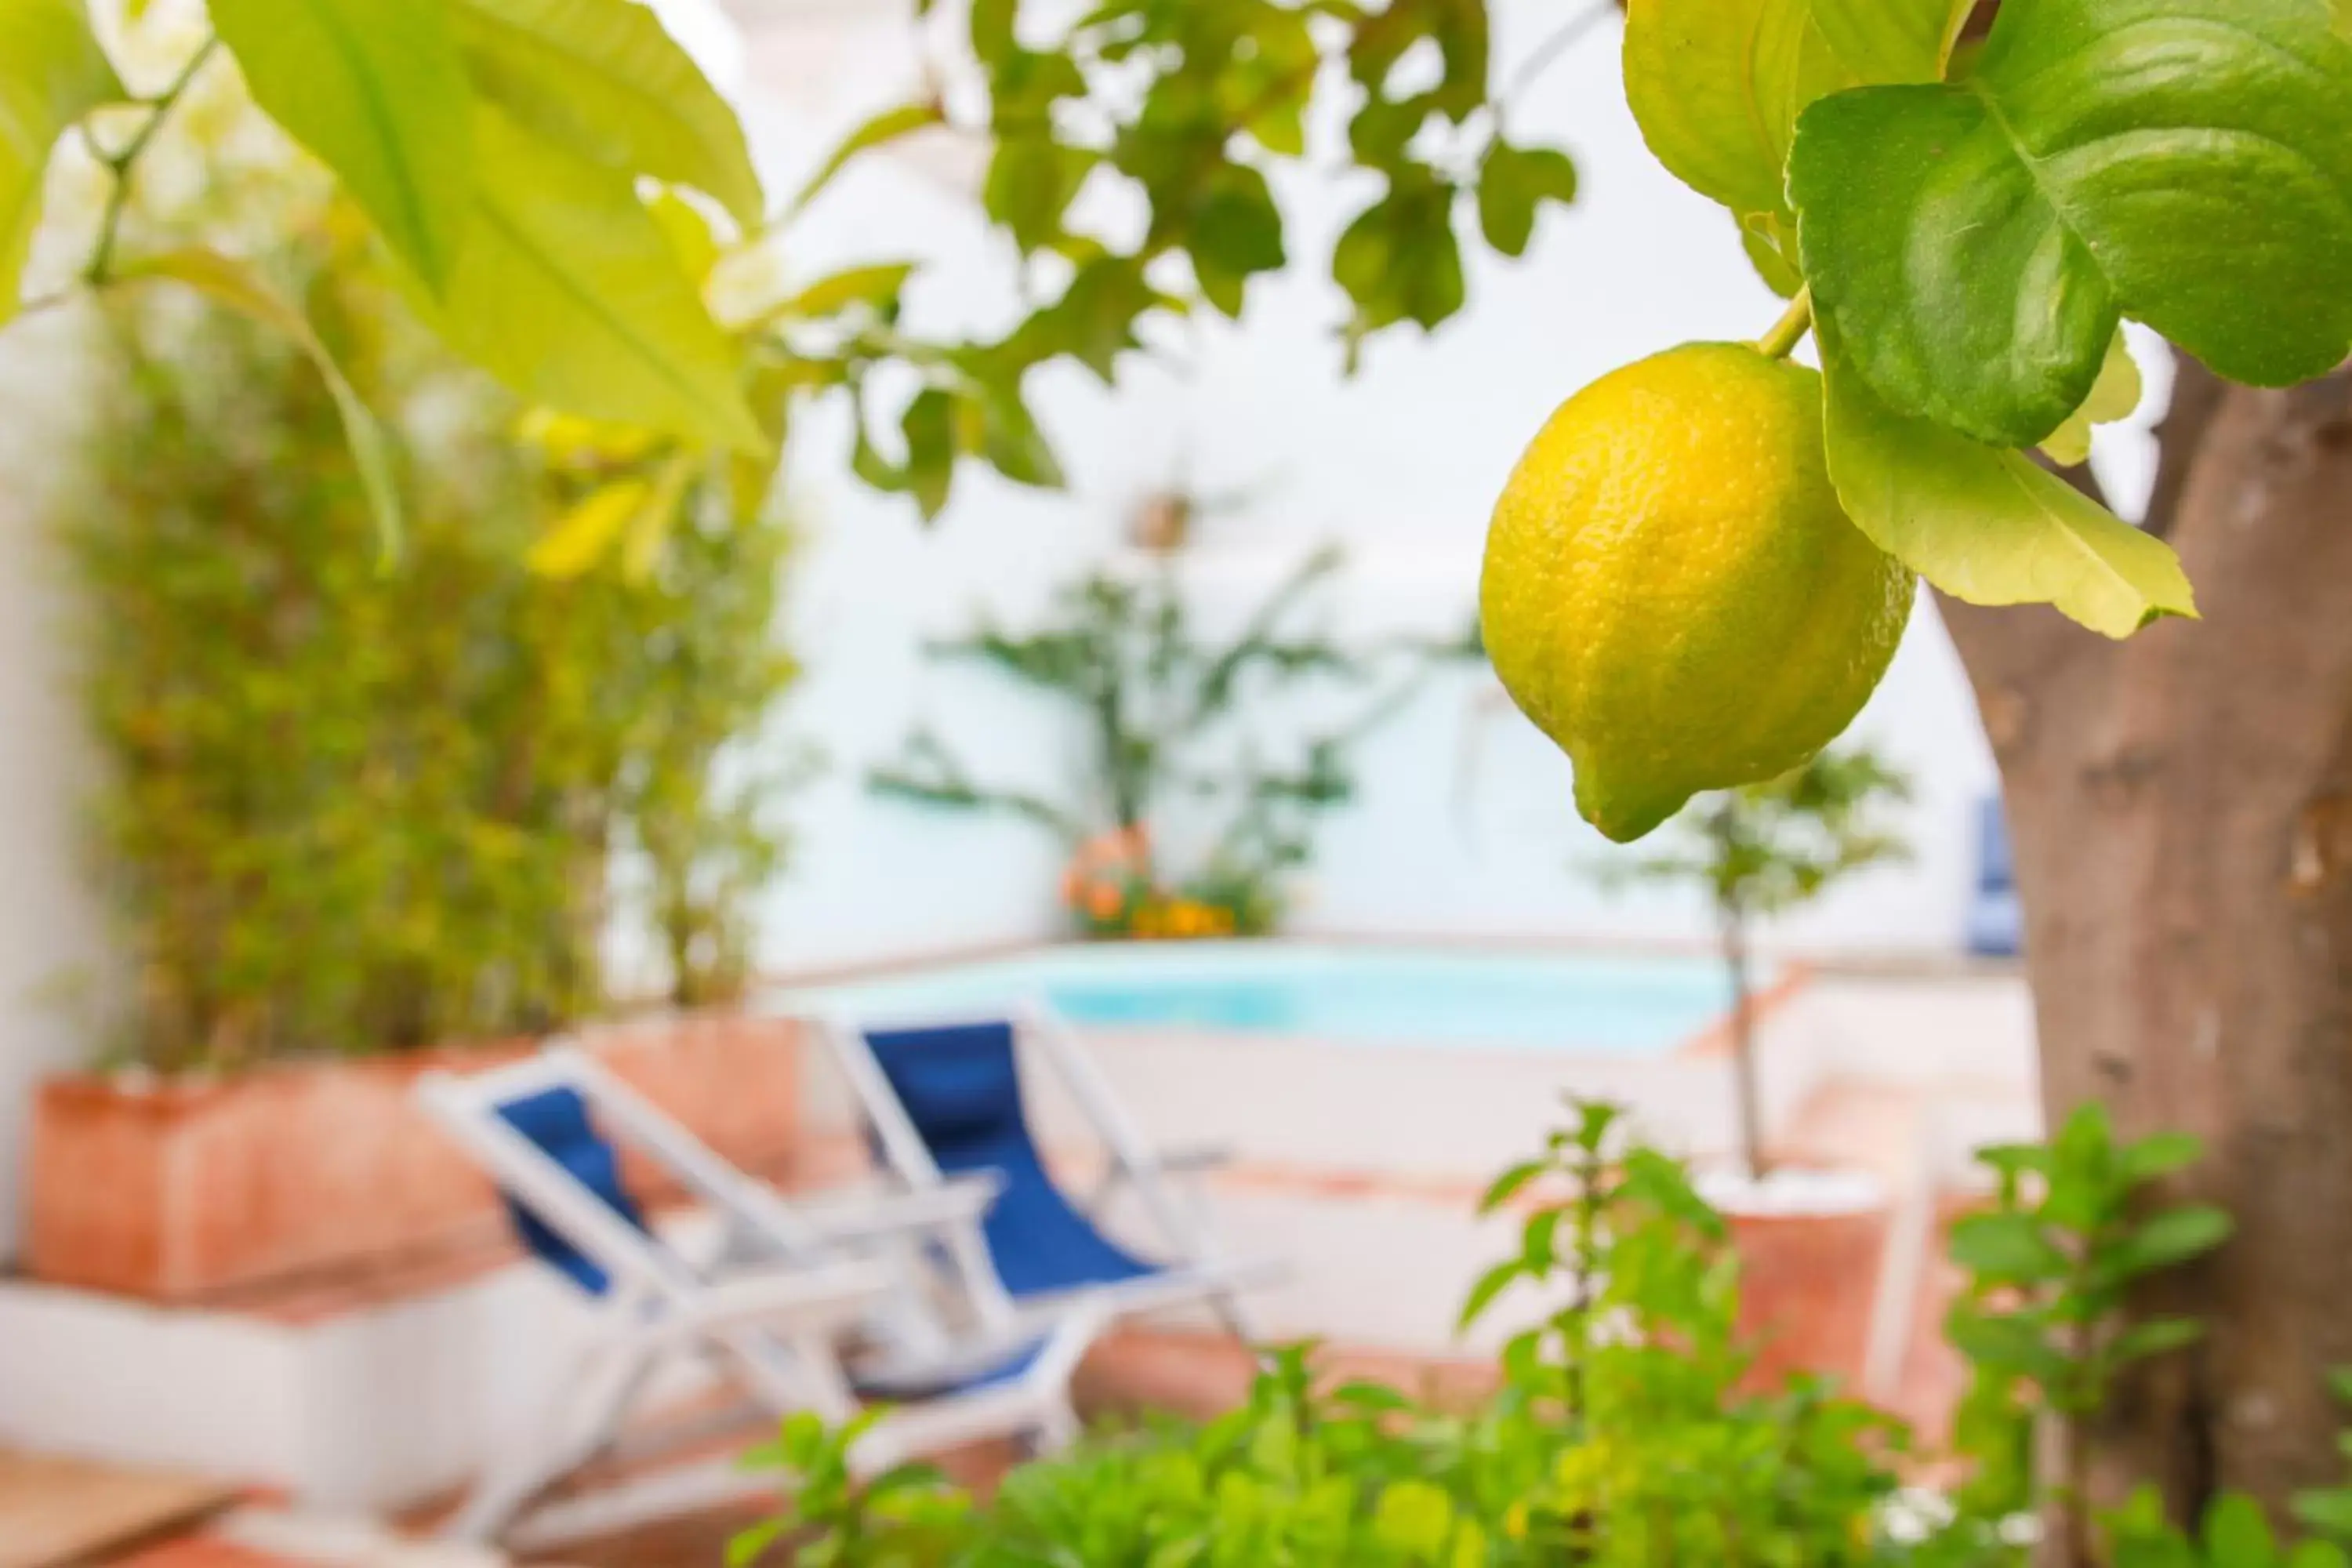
[
  {"x": 1465, "y": 823},
  {"x": 51, "y": 944}
]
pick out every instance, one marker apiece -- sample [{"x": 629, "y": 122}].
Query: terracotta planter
[
  {"x": 1809, "y": 1284},
  {"x": 182, "y": 1190}
]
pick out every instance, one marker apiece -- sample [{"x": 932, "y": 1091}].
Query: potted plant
[
  {"x": 1175, "y": 734},
  {"x": 1812, "y": 1237},
  {"x": 362, "y": 816}
]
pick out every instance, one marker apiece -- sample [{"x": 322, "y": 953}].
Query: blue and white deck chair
[
  {"x": 800, "y": 1307},
  {"x": 944, "y": 1100}
]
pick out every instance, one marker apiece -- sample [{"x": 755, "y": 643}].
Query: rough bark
[{"x": 2181, "y": 809}]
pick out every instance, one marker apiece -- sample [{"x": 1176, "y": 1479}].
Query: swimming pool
[{"x": 1611, "y": 1005}]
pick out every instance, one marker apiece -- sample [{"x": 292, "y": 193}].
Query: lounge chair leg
[
  {"x": 1055, "y": 1430},
  {"x": 1238, "y": 1319},
  {"x": 577, "y": 1427}
]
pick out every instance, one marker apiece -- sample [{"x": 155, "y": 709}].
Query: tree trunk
[{"x": 2181, "y": 811}]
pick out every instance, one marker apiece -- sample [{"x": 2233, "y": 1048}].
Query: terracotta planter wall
[
  {"x": 1808, "y": 1286},
  {"x": 180, "y": 1191}
]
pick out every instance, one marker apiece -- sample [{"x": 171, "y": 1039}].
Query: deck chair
[
  {"x": 944, "y": 1102},
  {"x": 798, "y": 1308}
]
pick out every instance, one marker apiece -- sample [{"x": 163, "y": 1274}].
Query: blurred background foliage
[
  {"x": 1198, "y": 786},
  {"x": 353, "y": 805}
]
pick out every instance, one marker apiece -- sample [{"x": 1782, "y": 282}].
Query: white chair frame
[
  {"x": 771, "y": 1316},
  {"x": 1199, "y": 1270}
]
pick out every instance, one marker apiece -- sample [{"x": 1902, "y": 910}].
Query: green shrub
[
  {"x": 1621, "y": 1434},
  {"x": 354, "y": 804},
  {"x": 1625, "y": 1432}
]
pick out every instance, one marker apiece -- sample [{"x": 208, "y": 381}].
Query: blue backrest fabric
[
  {"x": 556, "y": 1120},
  {"x": 961, "y": 1086}
]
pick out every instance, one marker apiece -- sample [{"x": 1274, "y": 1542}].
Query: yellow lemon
[{"x": 1671, "y": 592}]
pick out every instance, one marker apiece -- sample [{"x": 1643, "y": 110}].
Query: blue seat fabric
[
  {"x": 961, "y": 1088},
  {"x": 556, "y": 1120}
]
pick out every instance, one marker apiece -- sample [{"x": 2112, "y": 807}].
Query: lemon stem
[{"x": 1790, "y": 329}]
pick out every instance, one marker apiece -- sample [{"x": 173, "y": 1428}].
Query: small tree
[
  {"x": 1763, "y": 850},
  {"x": 1168, "y": 715}
]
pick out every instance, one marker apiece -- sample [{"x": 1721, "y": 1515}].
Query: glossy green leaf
[
  {"x": 1985, "y": 525},
  {"x": 2115, "y": 396},
  {"x": 1717, "y": 85},
  {"x": 1513, "y": 185},
  {"x": 604, "y": 77},
  {"x": 232, "y": 283},
  {"x": 377, "y": 89},
  {"x": 2184, "y": 162},
  {"x": 1763, "y": 236},
  {"x": 569, "y": 291},
  {"x": 52, "y": 72}
]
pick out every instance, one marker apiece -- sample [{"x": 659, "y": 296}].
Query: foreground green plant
[
  {"x": 1620, "y": 1434},
  {"x": 1622, "y": 1431}
]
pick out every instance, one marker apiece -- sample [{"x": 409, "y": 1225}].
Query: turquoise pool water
[{"x": 1611, "y": 1005}]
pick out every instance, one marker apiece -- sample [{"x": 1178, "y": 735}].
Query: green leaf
[
  {"x": 52, "y": 72},
  {"x": 883, "y": 129},
  {"x": 1030, "y": 184},
  {"x": 2161, "y": 1154},
  {"x": 2006, "y": 1344},
  {"x": 2115, "y": 396},
  {"x": 1985, "y": 525},
  {"x": 876, "y": 285},
  {"x": 2009, "y": 1248},
  {"x": 231, "y": 283},
  {"x": 1509, "y": 1185},
  {"x": 579, "y": 538},
  {"x": 2316, "y": 1554},
  {"x": 1717, "y": 85},
  {"x": 2329, "y": 1511},
  {"x": 2155, "y": 1337},
  {"x": 930, "y": 429},
  {"x": 1491, "y": 1284},
  {"x": 568, "y": 290},
  {"x": 1412, "y": 1517},
  {"x": 753, "y": 1542},
  {"x": 1513, "y": 183},
  {"x": 2183, "y": 162},
  {"x": 603, "y": 78},
  {"x": 1012, "y": 442},
  {"x": 1760, "y": 236},
  {"x": 2237, "y": 1535},
  {"x": 1237, "y": 234},
  {"x": 377, "y": 89},
  {"x": 2174, "y": 1236}
]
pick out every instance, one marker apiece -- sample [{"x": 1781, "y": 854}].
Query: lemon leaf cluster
[{"x": 1974, "y": 219}]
